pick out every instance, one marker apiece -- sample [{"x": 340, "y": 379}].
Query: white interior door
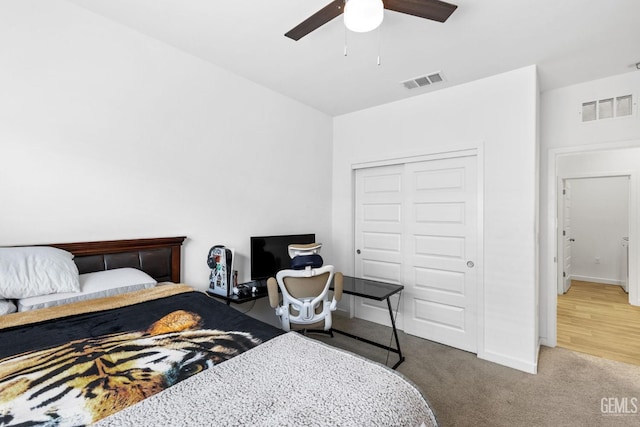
[
  {"x": 441, "y": 227},
  {"x": 378, "y": 231},
  {"x": 416, "y": 225},
  {"x": 567, "y": 240}
]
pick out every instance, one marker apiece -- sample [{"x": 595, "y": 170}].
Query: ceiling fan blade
[
  {"x": 435, "y": 10},
  {"x": 318, "y": 19}
]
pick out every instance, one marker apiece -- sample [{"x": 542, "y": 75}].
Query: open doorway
[
  {"x": 601, "y": 160},
  {"x": 593, "y": 230},
  {"x": 594, "y": 313}
]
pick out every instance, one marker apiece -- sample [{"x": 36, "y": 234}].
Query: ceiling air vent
[{"x": 423, "y": 80}]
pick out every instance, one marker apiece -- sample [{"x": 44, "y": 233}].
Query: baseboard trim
[
  {"x": 510, "y": 362},
  {"x": 600, "y": 280}
]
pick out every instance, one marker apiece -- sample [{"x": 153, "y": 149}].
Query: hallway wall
[{"x": 599, "y": 220}]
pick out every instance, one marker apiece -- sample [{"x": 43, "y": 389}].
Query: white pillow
[
  {"x": 6, "y": 307},
  {"x": 36, "y": 270},
  {"x": 94, "y": 285}
]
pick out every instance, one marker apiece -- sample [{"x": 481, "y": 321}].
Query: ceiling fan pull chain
[
  {"x": 379, "y": 43},
  {"x": 345, "y": 41}
]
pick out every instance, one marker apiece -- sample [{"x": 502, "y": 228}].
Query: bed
[{"x": 172, "y": 355}]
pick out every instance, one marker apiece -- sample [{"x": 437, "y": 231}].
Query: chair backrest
[{"x": 305, "y": 298}]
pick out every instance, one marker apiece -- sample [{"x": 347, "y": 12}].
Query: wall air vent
[
  {"x": 619, "y": 106},
  {"x": 423, "y": 81}
]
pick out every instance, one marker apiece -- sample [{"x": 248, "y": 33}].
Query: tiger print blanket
[{"x": 80, "y": 369}]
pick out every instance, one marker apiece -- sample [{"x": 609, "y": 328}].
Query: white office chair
[{"x": 305, "y": 297}]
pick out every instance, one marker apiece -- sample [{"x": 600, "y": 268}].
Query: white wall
[
  {"x": 499, "y": 115},
  {"x": 563, "y": 133},
  {"x": 108, "y": 134},
  {"x": 599, "y": 221}
]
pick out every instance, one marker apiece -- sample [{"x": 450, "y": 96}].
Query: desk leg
[{"x": 395, "y": 334}]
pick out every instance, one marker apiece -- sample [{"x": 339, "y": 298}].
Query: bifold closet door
[
  {"x": 416, "y": 225},
  {"x": 441, "y": 251},
  {"x": 379, "y": 226}
]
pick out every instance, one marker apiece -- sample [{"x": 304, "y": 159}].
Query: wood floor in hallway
[{"x": 597, "y": 319}]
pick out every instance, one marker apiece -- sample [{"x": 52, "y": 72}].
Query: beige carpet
[{"x": 465, "y": 391}]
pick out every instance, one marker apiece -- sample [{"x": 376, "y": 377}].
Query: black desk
[
  {"x": 363, "y": 288},
  {"x": 237, "y": 299},
  {"x": 378, "y": 291}
]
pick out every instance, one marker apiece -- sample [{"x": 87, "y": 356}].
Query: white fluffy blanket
[{"x": 289, "y": 380}]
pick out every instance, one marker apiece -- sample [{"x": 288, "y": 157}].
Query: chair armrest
[
  {"x": 272, "y": 289},
  {"x": 337, "y": 286}
]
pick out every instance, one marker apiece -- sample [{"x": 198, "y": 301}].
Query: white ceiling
[{"x": 570, "y": 40}]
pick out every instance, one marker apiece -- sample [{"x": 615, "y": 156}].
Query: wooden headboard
[{"x": 158, "y": 257}]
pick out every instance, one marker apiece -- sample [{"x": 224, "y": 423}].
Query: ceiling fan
[{"x": 434, "y": 10}]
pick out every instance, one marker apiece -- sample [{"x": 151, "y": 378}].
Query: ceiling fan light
[{"x": 361, "y": 16}]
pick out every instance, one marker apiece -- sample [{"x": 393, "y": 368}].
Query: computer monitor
[{"x": 270, "y": 254}]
